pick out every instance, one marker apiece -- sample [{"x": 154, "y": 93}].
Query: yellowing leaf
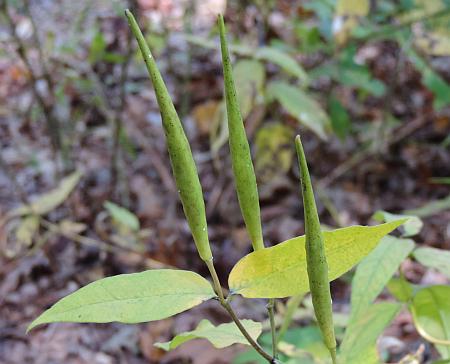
[
  {"x": 71, "y": 227},
  {"x": 352, "y": 7},
  {"x": 205, "y": 115},
  {"x": 301, "y": 106},
  {"x": 280, "y": 271},
  {"x": 220, "y": 336},
  {"x": 347, "y": 17},
  {"x": 274, "y": 151},
  {"x": 50, "y": 200},
  {"x": 434, "y": 43},
  {"x": 131, "y": 298},
  {"x": 27, "y": 228}
]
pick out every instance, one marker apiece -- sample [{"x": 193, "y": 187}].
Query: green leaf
[
  {"x": 282, "y": 59},
  {"x": 362, "y": 333},
  {"x": 401, "y": 289},
  {"x": 431, "y": 208},
  {"x": 434, "y": 258},
  {"x": 411, "y": 227},
  {"x": 301, "y": 106},
  {"x": 280, "y": 271},
  {"x": 122, "y": 216},
  {"x": 249, "y": 78},
  {"x": 131, "y": 298},
  {"x": 267, "y": 54},
  {"x": 98, "y": 48},
  {"x": 340, "y": 120},
  {"x": 308, "y": 339},
  {"x": 432, "y": 80},
  {"x": 50, "y": 200},
  {"x": 431, "y": 313},
  {"x": 220, "y": 336},
  {"x": 440, "y": 180},
  {"x": 369, "y": 355},
  {"x": 374, "y": 271}
]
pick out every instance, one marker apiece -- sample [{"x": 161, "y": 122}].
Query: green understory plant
[{"x": 289, "y": 269}]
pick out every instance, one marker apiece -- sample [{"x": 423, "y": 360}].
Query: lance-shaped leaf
[
  {"x": 361, "y": 334},
  {"x": 244, "y": 173},
  {"x": 220, "y": 336},
  {"x": 280, "y": 271},
  {"x": 131, "y": 298},
  {"x": 183, "y": 165},
  {"x": 374, "y": 272},
  {"x": 316, "y": 260},
  {"x": 434, "y": 258},
  {"x": 301, "y": 106},
  {"x": 50, "y": 200},
  {"x": 410, "y": 228}
]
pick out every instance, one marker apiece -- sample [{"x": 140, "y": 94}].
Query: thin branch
[
  {"x": 151, "y": 263},
  {"x": 117, "y": 122},
  {"x": 226, "y": 305},
  {"x": 271, "y": 312},
  {"x": 52, "y": 122},
  {"x": 398, "y": 135}
]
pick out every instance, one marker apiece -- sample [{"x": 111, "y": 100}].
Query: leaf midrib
[{"x": 203, "y": 296}]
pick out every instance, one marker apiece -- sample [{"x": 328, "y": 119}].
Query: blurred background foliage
[{"x": 85, "y": 184}]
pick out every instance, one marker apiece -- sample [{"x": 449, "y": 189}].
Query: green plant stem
[
  {"x": 226, "y": 305},
  {"x": 270, "y": 310}
]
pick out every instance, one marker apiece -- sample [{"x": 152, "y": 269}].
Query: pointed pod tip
[
  {"x": 129, "y": 15},
  {"x": 298, "y": 144},
  {"x": 221, "y": 23}
]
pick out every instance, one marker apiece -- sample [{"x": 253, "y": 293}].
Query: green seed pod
[
  {"x": 243, "y": 171},
  {"x": 316, "y": 261},
  {"x": 183, "y": 165}
]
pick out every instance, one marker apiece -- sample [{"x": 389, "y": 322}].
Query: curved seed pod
[
  {"x": 183, "y": 165},
  {"x": 243, "y": 171},
  {"x": 316, "y": 261}
]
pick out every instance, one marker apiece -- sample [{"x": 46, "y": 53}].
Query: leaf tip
[
  {"x": 32, "y": 325},
  {"x": 163, "y": 346},
  {"x": 400, "y": 222}
]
